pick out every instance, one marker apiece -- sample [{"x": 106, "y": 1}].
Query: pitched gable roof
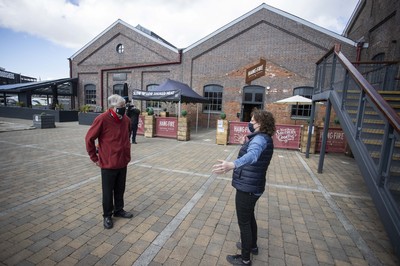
[
  {"x": 279, "y": 12},
  {"x": 139, "y": 29}
]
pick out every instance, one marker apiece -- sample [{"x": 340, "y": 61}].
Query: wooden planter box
[
  {"x": 183, "y": 129},
  {"x": 149, "y": 126},
  {"x": 44, "y": 121},
  {"x": 222, "y": 132}
]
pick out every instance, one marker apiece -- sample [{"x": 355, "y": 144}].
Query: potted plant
[
  {"x": 222, "y": 116},
  {"x": 86, "y": 116},
  {"x": 59, "y": 106},
  {"x": 184, "y": 113},
  {"x": 336, "y": 121},
  {"x": 150, "y": 111}
]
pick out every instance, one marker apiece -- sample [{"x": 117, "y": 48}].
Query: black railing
[{"x": 372, "y": 129}]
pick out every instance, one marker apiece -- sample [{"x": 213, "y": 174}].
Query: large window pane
[
  {"x": 253, "y": 94},
  {"x": 302, "y": 111},
  {"x": 214, "y": 94},
  {"x": 118, "y": 89},
  {"x": 90, "y": 94}
]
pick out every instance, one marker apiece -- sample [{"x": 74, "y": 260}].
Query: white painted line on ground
[{"x": 351, "y": 230}]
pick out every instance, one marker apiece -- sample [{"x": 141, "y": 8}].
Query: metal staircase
[{"x": 370, "y": 120}]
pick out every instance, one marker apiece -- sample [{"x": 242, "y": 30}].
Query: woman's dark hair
[{"x": 266, "y": 121}]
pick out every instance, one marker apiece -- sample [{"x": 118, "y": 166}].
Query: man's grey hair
[{"x": 116, "y": 100}]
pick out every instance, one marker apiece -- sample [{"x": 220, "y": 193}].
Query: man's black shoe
[
  {"x": 108, "y": 223},
  {"x": 237, "y": 260},
  {"x": 254, "y": 251},
  {"x": 123, "y": 214}
]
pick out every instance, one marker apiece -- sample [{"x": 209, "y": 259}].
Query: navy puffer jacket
[{"x": 251, "y": 177}]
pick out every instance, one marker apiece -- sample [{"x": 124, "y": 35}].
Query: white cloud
[{"x": 74, "y": 23}]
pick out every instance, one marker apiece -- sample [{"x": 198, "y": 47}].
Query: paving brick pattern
[{"x": 51, "y": 214}]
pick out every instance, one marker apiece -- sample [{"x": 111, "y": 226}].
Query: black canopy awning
[
  {"x": 171, "y": 90},
  {"x": 66, "y": 86},
  {"x": 170, "y": 96}
]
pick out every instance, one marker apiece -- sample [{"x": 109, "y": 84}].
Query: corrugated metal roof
[{"x": 22, "y": 87}]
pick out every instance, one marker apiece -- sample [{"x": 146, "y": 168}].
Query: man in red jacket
[{"x": 113, "y": 153}]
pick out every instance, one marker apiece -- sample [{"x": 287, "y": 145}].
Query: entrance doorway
[
  {"x": 253, "y": 97},
  {"x": 247, "y": 109}
]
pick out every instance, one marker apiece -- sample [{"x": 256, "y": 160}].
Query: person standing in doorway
[
  {"x": 111, "y": 129},
  {"x": 249, "y": 179},
  {"x": 133, "y": 114}
]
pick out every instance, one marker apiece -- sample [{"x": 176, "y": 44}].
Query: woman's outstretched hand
[{"x": 222, "y": 167}]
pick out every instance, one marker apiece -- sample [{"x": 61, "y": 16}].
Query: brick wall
[{"x": 290, "y": 49}]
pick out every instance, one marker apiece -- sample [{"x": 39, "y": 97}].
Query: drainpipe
[
  {"x": 359, "y": 48},
  {"x": 133, "y": 67},
  {"x": 70, "y": 67}
]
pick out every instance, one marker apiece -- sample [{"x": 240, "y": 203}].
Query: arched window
[
  {"x": 120, "y": 48},
  {"x": 379, "y": 57},
  {"x": 253, "y": 94},
  {"x": 302, "y": 111},
  {"x": 214, "y": 94},
  {"x": 118, "y": 89},
  {"x": 377, "y": 73},
  {"x": 90, "y": 94}
]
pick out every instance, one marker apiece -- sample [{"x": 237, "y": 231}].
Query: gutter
[{"x": 133, "y": 67}]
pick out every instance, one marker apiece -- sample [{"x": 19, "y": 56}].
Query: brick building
[
  {"x": 275, "y": 50},
  {"x": 374, "y": 25}
]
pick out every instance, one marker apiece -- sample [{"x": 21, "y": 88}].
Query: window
[
  {"x": 301, "y": 111},
  {"x": 253, "y": 94},
  {"x": 118, "y": 89},
  {"x": 90, "y": 94},
  {"x": 153, "y": 104},
  {"x": 214, "y": 94},
  {"x": 120, "y": 48}
]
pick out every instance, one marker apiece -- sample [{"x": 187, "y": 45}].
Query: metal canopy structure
[
  {"x": 54, "y": 88},
  {"x": 65, "y": 86}
]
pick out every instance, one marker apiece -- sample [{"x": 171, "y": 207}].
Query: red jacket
[{"x": 114, "y": 147}]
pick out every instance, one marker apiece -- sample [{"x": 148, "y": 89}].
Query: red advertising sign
[
  {"x": 140, "y": 130},
  {"x": 237, "y": 130},
  {"x": 166, "y": 127},
  {"x": 287, "y": 137},
  {"x": 335, "y": 142}
]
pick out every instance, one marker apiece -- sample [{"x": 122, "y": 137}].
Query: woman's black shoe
[
  {"x": 237, "y": 260},
  {"x": 123, "y": 214},
  {"x": 254, "y": 251}
]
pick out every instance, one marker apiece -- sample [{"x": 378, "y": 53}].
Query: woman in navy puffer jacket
[{"x": 249, "y": 171}]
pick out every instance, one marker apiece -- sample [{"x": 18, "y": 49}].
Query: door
[{"x": 253, "y": 97}]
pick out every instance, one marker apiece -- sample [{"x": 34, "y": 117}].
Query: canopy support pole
[
  {"x": 209, "y": 114},
  {"x": 197, "y": 115}
]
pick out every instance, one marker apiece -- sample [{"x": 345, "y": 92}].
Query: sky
[{"x": 38, "y": 36}]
